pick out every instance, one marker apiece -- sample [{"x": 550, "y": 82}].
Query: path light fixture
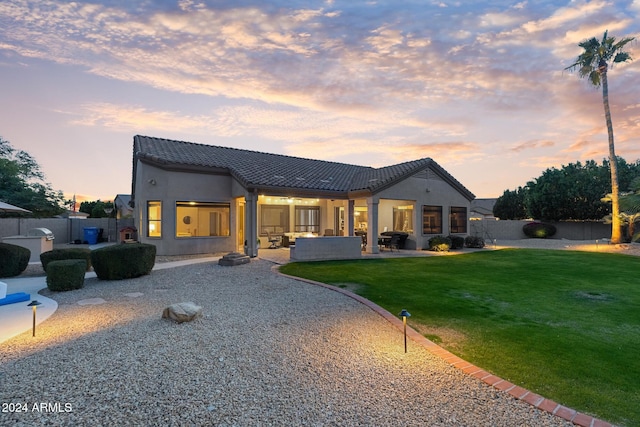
[
  {"x": 404, "y": 314},
  {"x": 34, "y": 304}
]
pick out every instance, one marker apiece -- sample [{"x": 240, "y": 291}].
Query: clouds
[{"x": 448, "y": 80}]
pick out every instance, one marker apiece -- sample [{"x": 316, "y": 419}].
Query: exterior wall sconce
[
  {"x": 34, "y": 304},
  {"x": 404, "y": 314}
]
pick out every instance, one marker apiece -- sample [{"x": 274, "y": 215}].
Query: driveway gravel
[{"x": 269, "y": 350}]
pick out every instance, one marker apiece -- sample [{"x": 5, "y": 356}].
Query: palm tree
[{"x": 593, "y": 63}]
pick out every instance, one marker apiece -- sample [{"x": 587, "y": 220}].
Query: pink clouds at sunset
[{"x": 478, "y": 86}]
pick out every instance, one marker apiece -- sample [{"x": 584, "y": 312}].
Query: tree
[
  {"x": 593, "y": 63},
  {"x": 96, "y": 209},
  {"x": 511, "y": 205},
  {"x": 22, "y": 183}
]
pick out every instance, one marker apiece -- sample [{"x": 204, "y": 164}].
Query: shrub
[
  {"x": 474, "y": 242},
  {"x": 457, "y": 242},
  {"x": 123, "y": 261},
  {"x": 70, "y": 253},
  {"x": 14, "y": 259},
  {"x": 539, "y": 230},
  {"x": 66, "y": 274},
  {"x": 439, "y": 244}
]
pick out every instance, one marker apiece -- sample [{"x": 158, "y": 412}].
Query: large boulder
[
  {"x": 182, "y": 312},
  {"x": 234, "y": 258}
]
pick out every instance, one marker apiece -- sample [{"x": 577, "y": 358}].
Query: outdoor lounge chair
[{"x": 274, "y": 241}]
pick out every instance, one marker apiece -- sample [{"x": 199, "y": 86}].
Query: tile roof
[{"x": 264, "y": 170}]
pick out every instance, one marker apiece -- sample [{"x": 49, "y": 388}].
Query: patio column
[
  {"x": 372, "y": 227},
  {"x": 251, "y": 224},
  {"x": 350, "y": 221}
]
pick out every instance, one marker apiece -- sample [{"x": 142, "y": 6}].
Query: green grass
[{"x": 563, "y": 324}]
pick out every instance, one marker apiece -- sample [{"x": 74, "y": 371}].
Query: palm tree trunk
[{"x": 616, "y": 232}]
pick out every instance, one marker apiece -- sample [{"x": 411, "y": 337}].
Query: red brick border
[{"x": 516, "y": 391}]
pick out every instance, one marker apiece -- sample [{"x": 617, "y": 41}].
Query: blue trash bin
[{"x": 91, "y": 235}]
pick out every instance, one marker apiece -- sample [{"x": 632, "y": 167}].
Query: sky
[{"x": 478, "y": 86}]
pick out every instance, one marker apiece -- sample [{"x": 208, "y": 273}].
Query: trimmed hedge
[
  {"x": 14, "y": 259},
  {"x": 474, "y": 242},
  {"x": 539, "y": 230},
  {"x": 70, "y": 253},
  {"x": 439, "y": 244},
  {"x": 124, "y": 261},
  {"x": 66, "y": 274},
  {"x": 457, "y": 242}
]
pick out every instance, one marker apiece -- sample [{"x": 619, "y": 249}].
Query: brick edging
[{"x": 534, "y": 399}]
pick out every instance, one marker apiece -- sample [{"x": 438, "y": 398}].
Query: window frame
[
  {"x": 463, "y": 226},
  {"x": 203, "y": 204},
  {"x": 306, "y": 228},
  {"x": 154, "y": 221},
  {"x": 436, "y": 212},
  {"x": 276, "y": 229}
]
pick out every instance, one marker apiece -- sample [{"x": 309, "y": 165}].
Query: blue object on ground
[
  {"x": 91, "y": 235},
  {"x": 13, "y": 298}
]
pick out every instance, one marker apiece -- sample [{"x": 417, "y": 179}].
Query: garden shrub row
[
  {"x": 14, "y": 259},
  {"x": 444, "y": 244}
]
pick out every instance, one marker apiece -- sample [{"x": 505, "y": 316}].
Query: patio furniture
[
  {"x": 402, "y": 237},
  {"x": 391, "y": 242},
  {"x": 273, "y": 241}
]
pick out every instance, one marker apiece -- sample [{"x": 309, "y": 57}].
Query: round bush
[
  {"x": 474, "y": 242},
  {"x": 457, "y": 242},
  {"x": 66, "y": 274},
  {"x": 14, "y": 259},
  {"x": 67, "y": 253},
  {"x": 124, "y": 261},
  {"x": 539, "y": 230},
  {"x": 439, "y": 244}
]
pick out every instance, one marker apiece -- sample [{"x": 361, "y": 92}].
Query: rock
[
  {"x": 182, "y": 312},
  {"x": 234, "y": 258}
]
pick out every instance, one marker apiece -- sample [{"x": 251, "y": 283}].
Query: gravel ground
[{"x": 269, "y": 350}]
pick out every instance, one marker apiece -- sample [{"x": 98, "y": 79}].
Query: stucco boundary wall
[
  {"x": 490, "y": 229},
  {"x": 326, "y": 248},
  {"x": 64, "y": 230}
]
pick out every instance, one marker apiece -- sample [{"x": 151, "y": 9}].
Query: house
[
  {"x": 482, "y": 209},
  {"x": 192, "y": 198},
  {"x": 122, "y": 203}
]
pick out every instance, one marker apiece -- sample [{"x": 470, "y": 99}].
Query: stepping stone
[
  {"x": 134, "y": 294},
  {"x": 234, "y": 258}
]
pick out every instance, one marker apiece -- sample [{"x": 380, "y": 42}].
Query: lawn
[{"x": 563, "y": 324}]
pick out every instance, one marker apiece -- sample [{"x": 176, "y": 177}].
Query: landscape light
[
  {"x": 34, "y": 304},
  {"x": 404, "y": 314}
]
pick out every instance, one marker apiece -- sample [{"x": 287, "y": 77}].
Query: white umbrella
[{"x": 6, "y": 207}]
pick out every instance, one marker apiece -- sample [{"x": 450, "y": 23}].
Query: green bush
[
  {"x": 439, "y": 244},
  {"x": 539, "y": 230},
  {"x": 457, "y": 242},
  {"x": 14, "y": 259},
  {"x": 474, "y": 242},
  {"x": 66, "y": 274},
  {"x": 123, "y": 261},
  {"x": 70, "y": 253}
]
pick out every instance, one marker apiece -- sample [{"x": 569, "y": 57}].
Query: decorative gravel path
[{"x": 269, "y": 350}]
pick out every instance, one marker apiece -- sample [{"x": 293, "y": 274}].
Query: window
[
  {"x": 274, "y": 219},
  {"x": 431, "y": 219},
  {"x": 361, "y": 218},
  {"x": 154, "y": 217},
  {"x": 307, "y": 219},
  {"x": 458, "y": 219},
  {"x": 403, "y": 218},
  {"x": 202, "y": 219}
]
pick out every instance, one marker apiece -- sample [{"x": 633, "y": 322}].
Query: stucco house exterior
[{"x": 192, "y": 198}]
